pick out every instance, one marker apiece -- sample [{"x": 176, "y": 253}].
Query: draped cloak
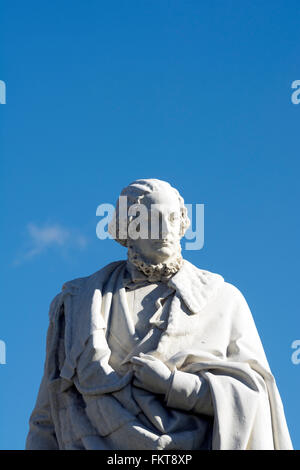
[{"x": 204, "y": 331}]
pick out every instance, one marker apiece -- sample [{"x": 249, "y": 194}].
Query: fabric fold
[{"x": 223, "y": 394}]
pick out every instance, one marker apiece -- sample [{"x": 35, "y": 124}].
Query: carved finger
[
  {"x": 148, "y": 356},
  {"x": 137, "y": 360}
]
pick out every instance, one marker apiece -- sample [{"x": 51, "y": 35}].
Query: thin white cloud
[{"x": 42, "y": 238}]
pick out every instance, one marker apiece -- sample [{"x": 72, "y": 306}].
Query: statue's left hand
[{"x": 151, "y": 373}]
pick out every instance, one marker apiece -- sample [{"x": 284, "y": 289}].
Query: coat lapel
[{"x": 195, "y": 286}]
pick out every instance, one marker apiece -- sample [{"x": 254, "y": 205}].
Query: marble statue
[{"x": 153, "y": 353}]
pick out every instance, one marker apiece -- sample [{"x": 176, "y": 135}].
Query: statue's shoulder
[
  {"x": 205, "y": 276},
  {"x": 98, "y": 276},
  {"x": 208, "y": 276},
  {"x": 214, "y": 283},
  {"x": 81, "y": 285}
]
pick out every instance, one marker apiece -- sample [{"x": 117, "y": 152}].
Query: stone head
[{"x": 150, "y": 219}]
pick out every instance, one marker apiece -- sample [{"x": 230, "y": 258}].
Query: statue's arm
[
  {"x": 189, "y": 392},
  {"x": 42, "y": 434},
  {"x": 182, "y": 390}
]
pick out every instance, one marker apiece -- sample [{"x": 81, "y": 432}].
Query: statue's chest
[
  {"x": 144, "y": 303},
  {"x": 193, "y": 332}
]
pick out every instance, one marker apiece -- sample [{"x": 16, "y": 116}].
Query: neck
[{"x": 155, "y": 272}]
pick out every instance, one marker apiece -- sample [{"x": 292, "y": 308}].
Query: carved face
[{"x": 162, "y": 217}]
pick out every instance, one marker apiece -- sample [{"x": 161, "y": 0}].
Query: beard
[{"x": 156, "y": 272}]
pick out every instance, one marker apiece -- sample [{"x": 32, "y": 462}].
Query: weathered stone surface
[{"x": 155, "y": 353}]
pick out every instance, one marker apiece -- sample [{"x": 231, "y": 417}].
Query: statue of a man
[{"x": 154, "y": 353}]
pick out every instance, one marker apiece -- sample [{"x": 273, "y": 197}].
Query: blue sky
[{"x": 102, "y": 93}]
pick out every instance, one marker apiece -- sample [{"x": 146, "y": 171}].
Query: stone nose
[{"x": 165, "y": 228}]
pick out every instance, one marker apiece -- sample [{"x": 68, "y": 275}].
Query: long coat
[{"x": 85, "y": 403}]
